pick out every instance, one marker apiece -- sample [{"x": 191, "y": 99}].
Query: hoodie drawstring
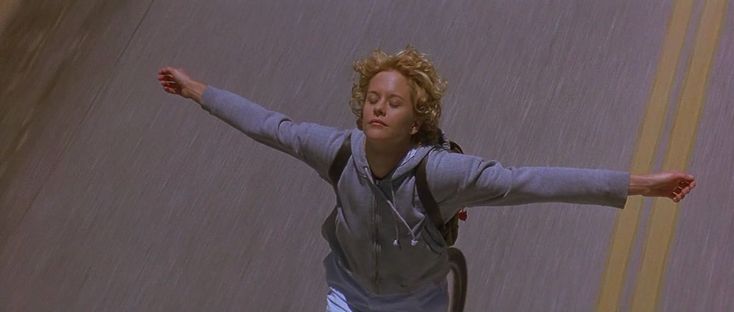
[{"x": 396, "y": 242}]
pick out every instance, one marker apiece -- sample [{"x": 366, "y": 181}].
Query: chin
[
  {"x": 383, "y": 138},
  {"x": 376, "y": 135}
]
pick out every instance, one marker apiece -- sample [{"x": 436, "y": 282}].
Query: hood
[{"x": 406, "y": 166}]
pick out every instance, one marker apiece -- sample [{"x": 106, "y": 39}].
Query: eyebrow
[{"x": 391, "y": 95}]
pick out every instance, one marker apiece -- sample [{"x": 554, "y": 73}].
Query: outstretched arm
[
  {"x": 314, "y": 144},
  {"x": 459, "y": 180},
  {"x": 673, "y": 185}
]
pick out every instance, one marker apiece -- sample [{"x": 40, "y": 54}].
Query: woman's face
[{"x": 387, "y": 113}]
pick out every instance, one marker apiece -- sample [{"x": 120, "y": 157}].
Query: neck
[{"x": 383, "y": 158}]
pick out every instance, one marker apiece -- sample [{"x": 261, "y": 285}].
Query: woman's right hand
[{"x": 176, "y": 81}]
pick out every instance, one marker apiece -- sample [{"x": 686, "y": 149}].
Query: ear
[{"x": 415, "y": 127}]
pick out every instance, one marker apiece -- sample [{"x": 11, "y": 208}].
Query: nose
[{"x": 379, "y": 108}]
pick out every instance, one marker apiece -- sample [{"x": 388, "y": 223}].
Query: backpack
[{"x": 450, "y": 229}]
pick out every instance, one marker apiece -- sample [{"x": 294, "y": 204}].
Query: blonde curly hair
[{"x": 426, "y": 87}]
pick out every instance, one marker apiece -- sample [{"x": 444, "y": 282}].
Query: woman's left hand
[{"x": 673, "y": 185}]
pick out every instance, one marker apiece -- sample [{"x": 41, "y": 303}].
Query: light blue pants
[
  {"x": 437, "y": 301},
  {"x": 345, "y": 295}
]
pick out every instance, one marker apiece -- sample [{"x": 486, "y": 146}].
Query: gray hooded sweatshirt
[{"x": 381, "y": 238}]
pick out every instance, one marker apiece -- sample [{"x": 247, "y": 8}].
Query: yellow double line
[{"x": 664, "y": 213}]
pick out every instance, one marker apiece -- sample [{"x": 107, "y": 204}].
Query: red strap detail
[{"x": 462, "y": 214}]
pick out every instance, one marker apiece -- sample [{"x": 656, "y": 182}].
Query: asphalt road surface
[{"x": 115, "y": 196}]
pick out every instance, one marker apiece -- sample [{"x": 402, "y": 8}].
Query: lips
[{"x": 377, "y": 122}]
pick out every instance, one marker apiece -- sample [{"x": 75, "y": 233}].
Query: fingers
[
  {"x": 171, "y": 88},
  {"x": 168, "y": 73},
  {"x": 682, "y": 190},
  {"x": 167, "y": 80},
  {"x": 679, "y": 194},
  {"x": 168, "y": 83},
  {"x": 686, "y": 183},
  {"x": 685, "y": 186},
  {"x": 165, "y": 77},
  {"x": 167, "y": 70}
]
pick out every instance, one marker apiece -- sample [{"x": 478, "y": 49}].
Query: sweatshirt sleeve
[
  {"x": 460, "y": 180},
  {"x": 311, "y": 143}
]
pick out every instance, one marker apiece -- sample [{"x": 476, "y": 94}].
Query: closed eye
[
  {"x": 395, "y": 103},
  {"x": 372, "y": 98}
]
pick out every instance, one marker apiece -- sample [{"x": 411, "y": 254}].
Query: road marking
[
  {"x": 652, "y": 126},
  {"x": 664, "y": 211}
]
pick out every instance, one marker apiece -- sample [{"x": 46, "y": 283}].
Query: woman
[{"x": 385, "y": 254}]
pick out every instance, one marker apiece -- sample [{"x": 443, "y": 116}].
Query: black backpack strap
[
  {"x": 328, "y": 228},
  {"x": 424, "y": 193},
  {"x": 340, "y": 161}
]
